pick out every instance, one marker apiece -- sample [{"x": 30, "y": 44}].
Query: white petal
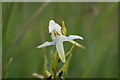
[
  {"x": 60, "y": 48},
  {"x": 52, "y": 36},
  {"x": 75, "y": 37},
  {"x": 71, "y": 37},
  {"x": 46, "y": 44},
  {"x": 64, "y": 38},
  {"x": 54, "y": 26}
]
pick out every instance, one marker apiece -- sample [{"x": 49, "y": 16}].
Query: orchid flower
[{"x": 58, "y": 39}]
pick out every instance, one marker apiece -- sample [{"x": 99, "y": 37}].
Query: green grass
[{"x": 25, "y": 26}]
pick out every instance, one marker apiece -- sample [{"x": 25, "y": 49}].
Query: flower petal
[
  {"x": 60, "y": 48},
  {"x": 46, "y": 44},
  {"x": 52, "y": 36},
  {"x": 75, "y": 37},
  {"x": 54, "y": 26},
  {"x": 71, "y": 37}
]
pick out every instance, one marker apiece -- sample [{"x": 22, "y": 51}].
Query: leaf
[
  {"x": 64, "y": 67},
  {"x": 46, "y": 73},
  {"x": 57, "y": 57},
  {"x": 54, "y": 64}
]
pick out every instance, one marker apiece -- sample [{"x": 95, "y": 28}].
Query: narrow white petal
[
  {"x": 75, "y": 37},
  {"x": 60, "y": 48},
  {"x": 46, "y": 44},
  {"x": 64, "y": 38},
  {"x": 71, "y": 37}
]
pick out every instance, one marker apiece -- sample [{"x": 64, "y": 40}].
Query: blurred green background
[
  {"x": 25, "y": 26},
  {"x": 0, "y": 40}
]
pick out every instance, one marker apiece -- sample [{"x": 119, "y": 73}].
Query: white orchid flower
[{"x": 58, "y": 39}]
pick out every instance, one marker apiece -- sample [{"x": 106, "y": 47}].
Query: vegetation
[{"x": 25, "y": 26}]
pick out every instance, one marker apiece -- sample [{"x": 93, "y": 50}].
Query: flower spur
[{"x": 58, "y": 39}]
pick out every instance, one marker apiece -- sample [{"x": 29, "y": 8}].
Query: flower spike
[{"x": 59, "y": 37}]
